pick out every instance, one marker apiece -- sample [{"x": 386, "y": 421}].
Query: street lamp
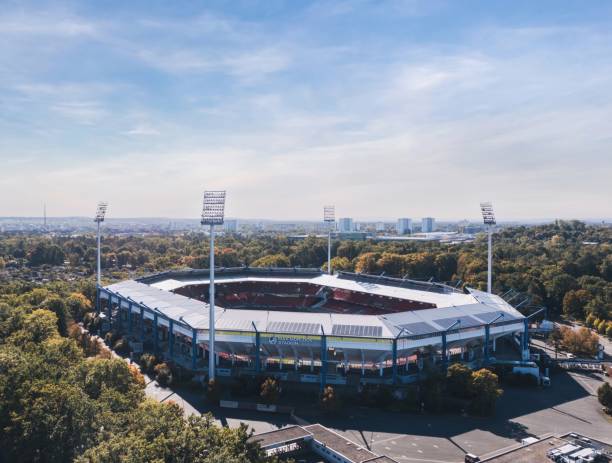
[
  {"x": 213, "y": 210},
  {"x": 329, "y": 217},
  {"x": 488, "y": 218}
]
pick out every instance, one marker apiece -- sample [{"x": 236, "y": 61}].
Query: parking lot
[{"x": 569, "y": 405}]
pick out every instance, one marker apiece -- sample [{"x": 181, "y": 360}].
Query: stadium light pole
[
  {"x": 213, "y": 210},
  {"x": 488, "y": 218},
  {"x": 329, "y": 217},
  {"x": 98, "y": 219}
]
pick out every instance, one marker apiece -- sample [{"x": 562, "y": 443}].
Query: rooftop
[{"x": 473, "y": 309}]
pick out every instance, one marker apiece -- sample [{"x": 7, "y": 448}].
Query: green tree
[
  {"x": 604, "y": 395},
  {"x": 56, "y": 422},
  {"x": 339, "y": 264},
  {"x": 485, "y": 390},
  {"x": 78, "y": 305},
  {"x": 274, "y": 260},
  {"x": 574, "y": 302},
  {"x": 459, "y": 380},
  {"x": 56, "y": 304}
]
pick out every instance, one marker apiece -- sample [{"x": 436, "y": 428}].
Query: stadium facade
[{"x": 307, "y": 326}]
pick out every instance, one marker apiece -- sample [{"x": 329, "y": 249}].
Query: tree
[
  {"x": 57, "y": 421},
  {"x": 163, "y": 375},
  {"x": 159, "y": 433},
  {"x": 485, "y": 390},
  {"x": 98, "y": 374},
  {"x": 459, "y": 380},
  {"x": 274, "y": 260},
  {"x": 46, "y": 254},
  {"x": 574, "y": 302},
  {"x": 38, "y": 326},
  {"x": 339, "y": 264},
  {"x": 580, "y": 342},
  {"x": 78, "y": 305},
  {"x": 270, "y": 390},
  {"x": 366, "y": 263},
  {"x": 604, "y": 395},
  {"x": 57, "y": 305}
]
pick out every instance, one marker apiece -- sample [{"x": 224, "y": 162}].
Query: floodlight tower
[
  {"x": 98, "y": 219},
  {"x": 213, "y": 210},
  {"x": 329, "y": 217},
  {"x": 488, "y": 218}
]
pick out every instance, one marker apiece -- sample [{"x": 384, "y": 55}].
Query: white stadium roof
[{"x": 474, "y": 308}]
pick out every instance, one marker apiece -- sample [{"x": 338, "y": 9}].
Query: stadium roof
[{"x": 472, "y": 309}]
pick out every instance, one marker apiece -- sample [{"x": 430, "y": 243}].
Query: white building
[
  {"x": 404, "y": 226},
  {"x": 345, "y": 225},
  {"x": 428, "y": 224},
  {"x": 380, "y": 226},
  {"x": 230, "y": 226}
]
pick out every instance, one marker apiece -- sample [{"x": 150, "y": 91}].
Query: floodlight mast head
[
  {"x": 101, "y": 212},
  {"x": 213, "y": 208},
  {"x": 329, "y": 217},
  {"x": 488, "y": 217}
]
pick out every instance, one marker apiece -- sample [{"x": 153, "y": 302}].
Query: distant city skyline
[{"x": 385, "y": 109}]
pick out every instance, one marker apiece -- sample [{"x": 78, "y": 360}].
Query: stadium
[{"x": 308, "y": 326}]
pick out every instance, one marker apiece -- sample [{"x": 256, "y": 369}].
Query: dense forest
[
  {"x": 63, "y": 397},
  {"x": 565, "y": 266}
]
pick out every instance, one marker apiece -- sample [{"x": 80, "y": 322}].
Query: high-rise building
[
  {"x": 230, "y": 226},
  {"x": 428, "y": 224},
  {"x": 404, "y": 226},
  {"x": 380, "y": 226},
  {"x": 345, "y": 225}
]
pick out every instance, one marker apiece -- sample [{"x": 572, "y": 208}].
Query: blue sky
[{"x": 385, "y": 109}]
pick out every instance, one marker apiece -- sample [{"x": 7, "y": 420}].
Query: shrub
[
  {"x": 213, "y": 391},
  {"x": 601, "y": 326},
  {"x": 163, "y": 375},
  {"x": 122, "y": 346},
  {"x": 590, "y": 320},
  {"x": 111, "y": 338},
  {"x": 148, "y": 362},
  {"x": 329, "y": 400},
  {"x": 180, "y": 374},
  {"x": 270, "y": 390}
]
